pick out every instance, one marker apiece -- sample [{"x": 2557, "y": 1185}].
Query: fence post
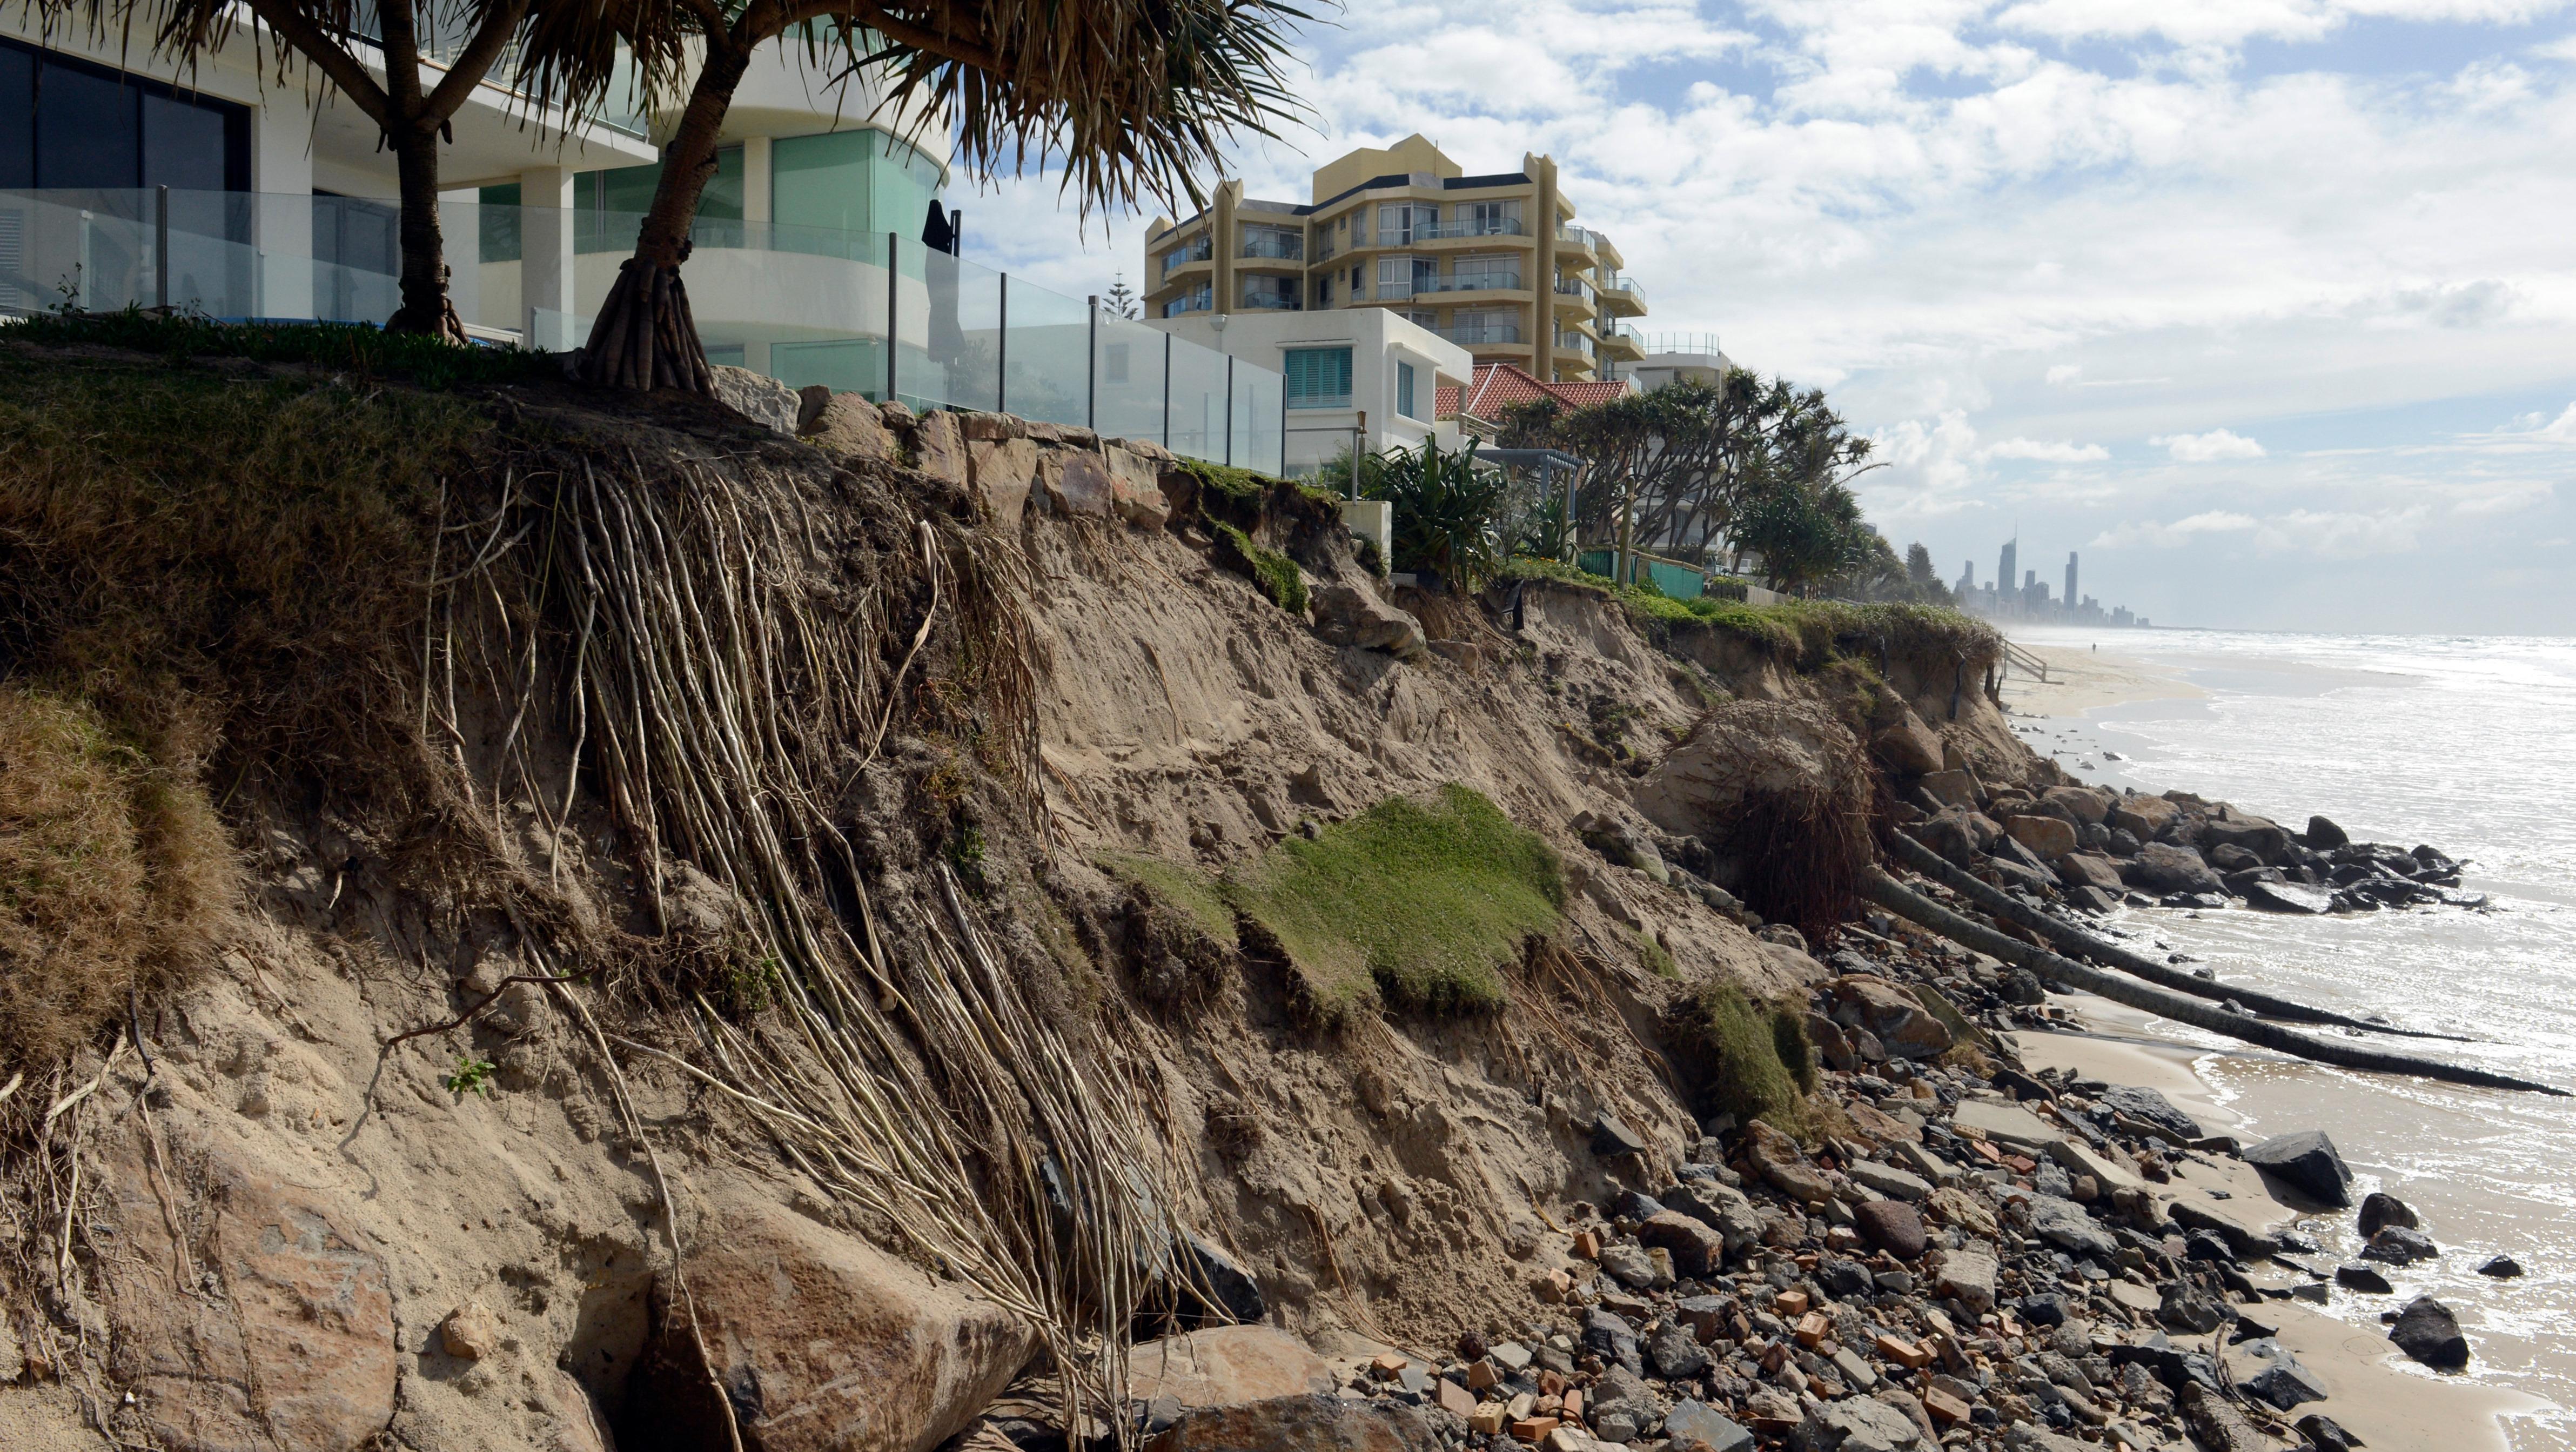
[
  {"x": 1229, "y": 410},
  {"x": 1002, "y": 356},
  {"x": 161, "y": 248},
  {"x": 1167, "y": 390},
  {"x": 894, "y": 335},
  {"x": 1091, "y": 370}
]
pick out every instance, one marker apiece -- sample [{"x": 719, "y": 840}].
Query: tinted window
[
  {"x": 85, "y": 130},
  {"x": 184, "y": 145},
  {"x": 17, "y": 117}
]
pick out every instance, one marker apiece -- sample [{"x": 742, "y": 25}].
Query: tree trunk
[
  {"x": 426, "y": 307},
  {"x": 645, "y": 337}
]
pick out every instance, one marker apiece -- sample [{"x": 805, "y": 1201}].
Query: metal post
[
  {"x": 1167, "y": 390},
  {"x": 161, "y": 248},
  {"x": 1002, "y": 356},
  {"x": 1229, "y": 410},
  {"x": 1283, "y": 427},
  {"x": 1091, "y": 371},
  {"x": 894, "y": 335}
]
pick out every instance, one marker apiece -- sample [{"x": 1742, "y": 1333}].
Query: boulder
[
  {"x": 1908, "y": 746},
  {"x": 938, "y": 449},
  {"x": 1857, "y": 1424},
  {"x": 2090, "y": 869},
  {"x": 2005, "y": 1123},
  {"x": 2185, "y": 1307},
  {"x": 1888, "y": 1180},
  {"x": 1899, "y": 1021},
  {"x": 1958, "y": 834},
  {"x": 1968, "y": 1277},
  {"x": 2427, "y": 1331},
  {"x": 2324, "y": 836},
  {"x": 2163, "y": 867},
  {"x": 1209, "y": 1272},
  {"x": 1777, "y": 1158},
  {"x": 1891, "y": 1226},
  {"x": 2324, "y": 1435},
  {"x": 1315, "y": 1423},
  {"x": 2306, "y": 1161},
  {"x": 2501, "y": 1267},
  {"x": 2150, "y": 1107},
  {"x": 292, "y": 1346},
  {"x": 1952, "y": 1206},
  {"x": 2359, "y": 1277},
  {"x": 1697, "y": 1249},
  {"x": 1004, "y": 471},
  {"x": 2284, "y": 897},
  {"x": 2047, "y": 837},
  {"x": 2064, "y": 1224},
  {"x": 1138, "y": 484},
  {"x": 470, "y": 1332},
  {"x": 2219, "y": 1426},
  {"x": 1674, "y": 1353},
  {"x": 2142, "y": 817},
  {"x": 820, "y": 1340},
  {"x": 758, "y": 397},
  {"x": 1225, "y": 1366},
  {"x": 1076, "y": 481},
  {"x": 1345, "y": 615},
  {"x": 2397, "y": 1245},
  {"x": 1719, "y": 1206},
  {"x": 2083, "y": 806},
  {"x": 2283, "y": 1384},
  {"x": 981, "y": 428},
  {"x": 2379, "y": 1208},
  {"x": 1953, "y": 787},
  {"x": 2265, "y": 840},
  {"x": 844, "y": 424},
  {"x": 1608, "y": 1335}
]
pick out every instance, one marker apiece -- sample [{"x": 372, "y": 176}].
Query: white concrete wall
[{"x": 1378, "y": 340}]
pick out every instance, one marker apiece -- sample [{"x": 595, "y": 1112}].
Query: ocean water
[{"x": 2466, "y": 743}]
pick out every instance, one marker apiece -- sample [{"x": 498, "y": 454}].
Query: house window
[
  {"x": 1406, "y": 276},
  {"x": 1404, "y": 390},
  {"x": 1490, "y": 219},
  {"x": 1324, "y": 290},
  {"x": 67, "y": 123},
  {"x": 1319, "y": 377}
]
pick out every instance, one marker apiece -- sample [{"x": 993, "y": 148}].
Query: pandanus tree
[
  {"x": 1133, "y": 95},
  {"x": 412, "y": 106}
]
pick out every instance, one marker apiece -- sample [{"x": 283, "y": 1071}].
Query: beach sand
[
  {"x": 2082, "y": 678},
  {"x": 2374, "y": 1391}
]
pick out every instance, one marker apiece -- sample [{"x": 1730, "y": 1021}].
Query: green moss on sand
[
  {"x": 1746, "y": 1060},
  {"x": 1274, "y": 573},
  {"x": 1185, "y": 890}
]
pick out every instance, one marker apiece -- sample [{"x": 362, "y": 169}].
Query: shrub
[
  {"x": 1447, "y": 511},
  {"x": 359, "y": 349},
  {"x": 1740, "y": 1058}
]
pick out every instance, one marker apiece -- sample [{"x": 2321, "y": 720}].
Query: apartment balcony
[
  {"x": 1623, "y": 345},
  {"x": 1201, "y": 301},
  {"x": 1198, "y": 251},
  {"x": 1273, "y": 247},
  {"x": 1577, "y": 287},
  {"x": 1489, "y": 335},
  {"x": 1578, "y": 240},
  {"x": 1578, "y": 344},
  {"x": 1621, "y": 295},
  {"x": 1448, "y": 231},
  {"x": 1455, "y": 282}
]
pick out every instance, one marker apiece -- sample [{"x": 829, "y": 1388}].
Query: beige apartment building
[{"x": 1493, "y": 263}]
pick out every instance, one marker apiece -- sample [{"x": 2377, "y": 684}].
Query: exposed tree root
[{"x": 1896, "y": 898}]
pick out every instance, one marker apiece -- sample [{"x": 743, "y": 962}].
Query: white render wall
[{"x": 1378, "y": 340}]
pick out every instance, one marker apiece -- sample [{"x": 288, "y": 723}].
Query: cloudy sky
[{"x": 2266, "y": 306}]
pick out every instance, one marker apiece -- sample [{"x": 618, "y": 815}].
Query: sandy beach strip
[
  {"x": 2081, "y": 679},
  {"x": 2373, "y": 1390}
]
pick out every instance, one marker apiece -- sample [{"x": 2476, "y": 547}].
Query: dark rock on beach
[
  {"x": 2306, "y": 1161},
  {"x": 2379, "y": 1208},
  {"x": 2359, "y": 1277},
  {"x": 2427, "y": 1331},
  {"x": 2324, "y": 836},
  {"x": 2502, "y": 1267}
]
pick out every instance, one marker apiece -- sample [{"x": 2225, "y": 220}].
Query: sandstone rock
[
  {"x": 1955, "y": 787},
  {"x": 1721, "y": 1207},
  {"x": 2047, "y": 837},
  {"x": 470, "y": 1332},
  {"x": 2151, "y": 1107},
  {"x": 2083, "y": 806},
  {"x": 756, "y": 396},
  {"x": 2307, "y": 1162},
  {"x": 1857, "y": 1424},
  {"x": 1952, "y": 1206},
  {"x": 1777, "y": 1158},
  {"x": 990, "y": 427},
  {"x": 2080, "y": 1159},
  {"x": 845, "y": 424},
  {"x": 2427, "y": 1331},
  {"x": 1315, "y": 1423},
  {"x": 2219, "y": 1426},
  {"x": 1901, "y": 1023},
  {"x": 2265, "y": 840},
  {"x": 1139, "y": 487},
  {"x": 1697, "y": 1249},
  {"x": 1959, "y": 834},
  {"x": 1888, "y": 1180},
  {"x": 1225, "y": 1366},
  {"x": 2004, "y": 1123},
  {"x": 1345, "y": 615},
  {"x": 1968, "y": 1277},
  {"x": 1891, "y": 1226},
  {"x": 1693, "y": 1426},
  {"x": 820, "y": 1340},
  {"x": 297, "y": 1348},
  {"x": 2090, "y": 869},
  {"x": 1909, "y": 746},
  {"x": 2163, "y": 867},
  {"x": 938, "y": 450},
  {"x": 1004, "y": 471},
  {"x": 2143, "y": 817},
  {"x": 2379, "y": 1208},
  {"x": 1077, "y": 482}
]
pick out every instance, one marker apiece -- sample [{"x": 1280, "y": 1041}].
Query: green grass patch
[
  {"x": 1808, "y": 635},
  {"x": 1740, "y": 1057},
  {"x": 1195, "y": 896},
  {"x": 1419, "y": 904},
  {"x": 1652, "y": 954},
  {"x": 358, "y": 349},
  {"x": 1273, "y": 573}
]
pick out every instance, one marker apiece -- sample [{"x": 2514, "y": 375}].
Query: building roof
[{"x": 1498, "y": 386}]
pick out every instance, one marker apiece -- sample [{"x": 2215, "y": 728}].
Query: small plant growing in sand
[{"x": 473, "y": 1076}]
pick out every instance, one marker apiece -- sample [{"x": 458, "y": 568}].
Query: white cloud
[
  {"x": 2064, "y": 374},
  {"x": 2208, "y": 448},
  {"x": 2343, "y": 534},
  {"x": 2047, "y": 451},
  {"x": 2173, "y": 536}
]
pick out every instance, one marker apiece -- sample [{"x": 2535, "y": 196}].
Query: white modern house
[{"x": 1364, "y": 379}]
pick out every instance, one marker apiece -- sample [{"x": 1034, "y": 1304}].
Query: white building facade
[{"x": 1363, "y": 379}]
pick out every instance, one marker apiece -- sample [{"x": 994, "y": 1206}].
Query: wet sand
[{"x": 2083, "y": 678}]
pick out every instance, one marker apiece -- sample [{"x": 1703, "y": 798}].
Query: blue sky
[{"x": 2266, "y": 306}]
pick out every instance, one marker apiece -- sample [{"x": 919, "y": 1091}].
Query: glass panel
[
  {"x": 1130, "y": 380},
  {"x": 953, "y": 357},
  {"x": 496, "y": 224},
  {"x": 822, "y": 181},
  {"x": 1198, "y": 401},
  {"x": 1257, "y": 440},
  {"x": 1048, "y": 374}
]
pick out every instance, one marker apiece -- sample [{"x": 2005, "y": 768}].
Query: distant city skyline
[{"x": 2031, "y": 600}]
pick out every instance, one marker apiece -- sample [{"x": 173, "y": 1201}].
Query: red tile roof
[{"x": 1500, "y": 385}]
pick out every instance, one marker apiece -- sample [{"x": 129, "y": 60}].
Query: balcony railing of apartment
[
  {"x": 1623, "y": 283},
  {"x": 804, "y": 305},
  {"x": 1575, "y": 287},
  {"x": 1454, "y": 282},
  {"x": 1270, "y": 301},
  {"x": 1574, "y": 342},
  {"x": 1406, "y": 236},
  {"x": 1482, "y": 334},
  {"x": 1582, "y": 237},
  {"x": 1705, "y": 343},
  {"x": 1201, "y": 301},
  {"x": 1276, "y": 246},
  {"x": 1199, "y": 251}
]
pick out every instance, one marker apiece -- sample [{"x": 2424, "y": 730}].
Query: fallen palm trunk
[
  {"x": 2084, "y": 945},
  {"x": 1884, "y": 890}
]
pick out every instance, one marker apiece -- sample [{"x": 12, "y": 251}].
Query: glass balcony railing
[
  {"x": 1622, "y": 283},
  {"x": 1456, "y": 282},
  {"x": 804, "y": 305},
  {"x": 1574, "y": 343},
  {"x": 1482, "y": 334},
  {"x": 1201, "y": 301},
  {"x": 1575, "y": 287},
  {"x": 1265, "y": 300},
  {"x": 1583, "y": 237},
  {"x": 1199, "y": 251},
  {"x": 1406, "y": 236},
  {"x": 1274, "y": 246}
]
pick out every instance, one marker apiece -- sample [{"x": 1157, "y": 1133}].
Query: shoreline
[
  {"x": 2087, "y": 680},
  {"x": 2374, "y": 1390}
]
